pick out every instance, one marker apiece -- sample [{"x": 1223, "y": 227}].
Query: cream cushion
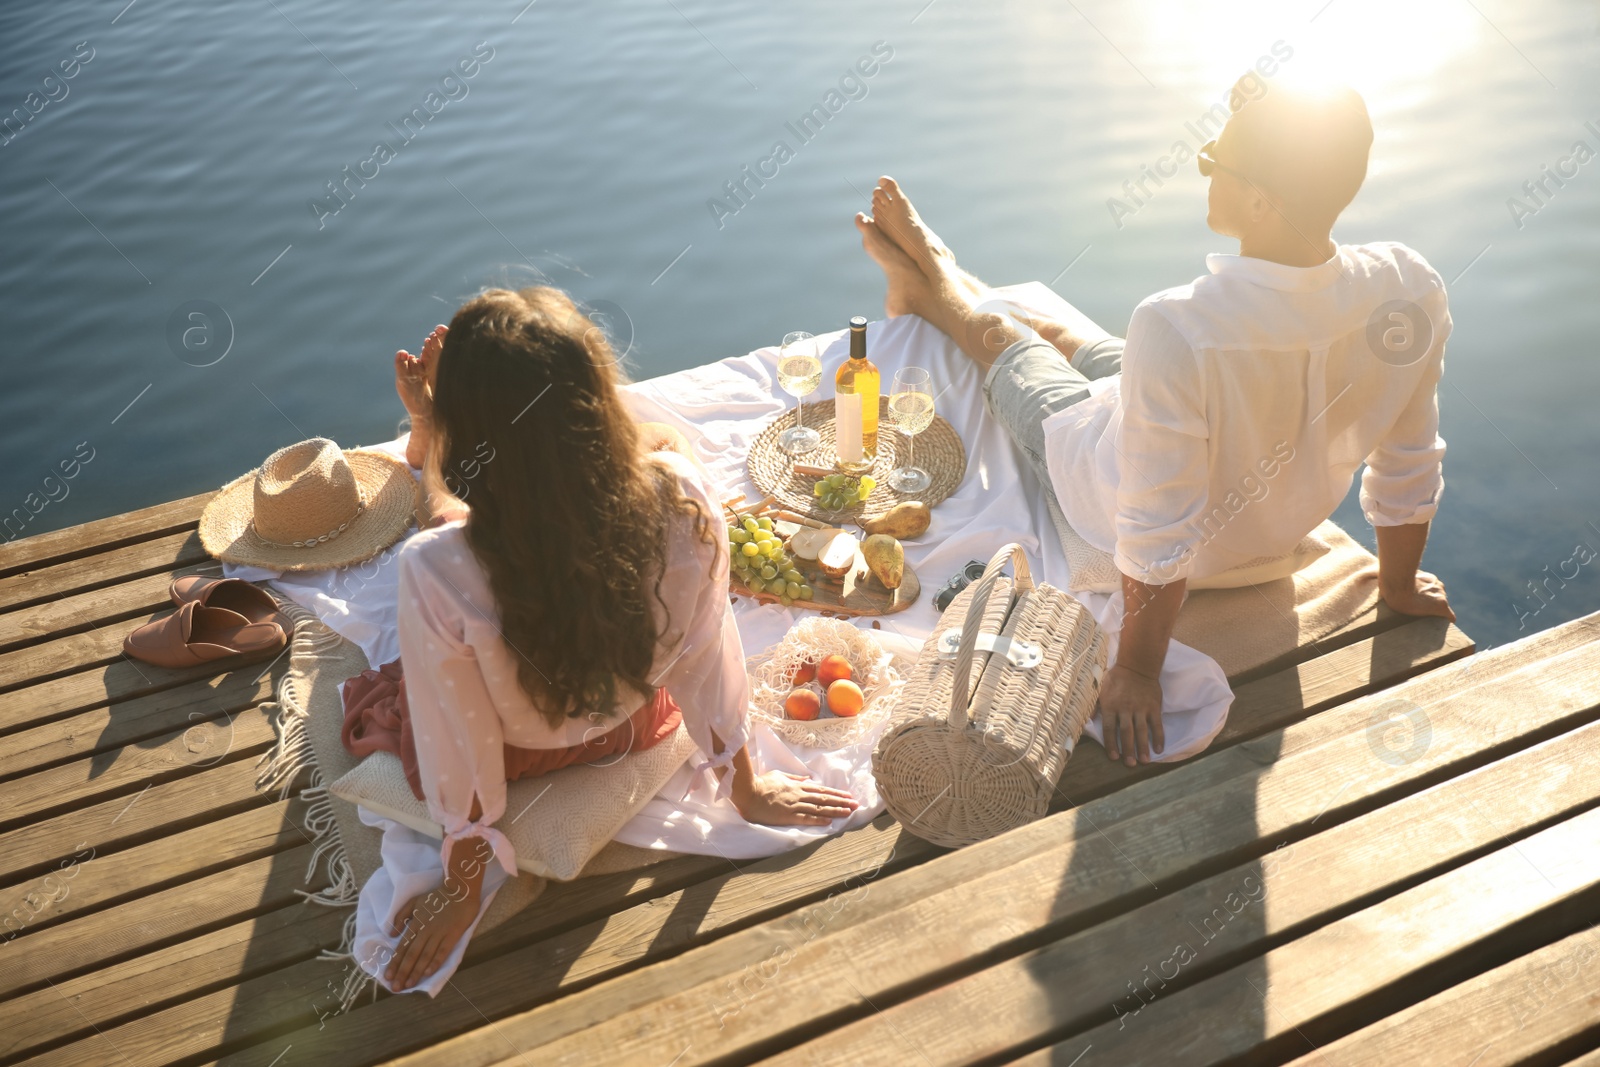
[{"x": 557, "y": 822}]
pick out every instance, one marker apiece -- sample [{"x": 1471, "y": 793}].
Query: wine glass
[
  {"x": 911, "y": 409},
  {"x": 799, "y": 374}
]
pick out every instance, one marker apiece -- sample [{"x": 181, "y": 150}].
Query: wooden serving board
[{"x": 858, "y": 594}]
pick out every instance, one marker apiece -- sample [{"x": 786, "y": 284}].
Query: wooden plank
[
  {"x": 1363, "y": 656},
  {"x": 647, "y": 934},
  {"x": 1049, "y": 876},
  {"x": 256, "y": 1010},
  {"x": 157, "y": 556},
  {"x": 162, "y": 758},
  {"x": 1081, "y": 980},
  {"x": 1277, "y": 700},
  {"x": 408, "y": 1002},
  {"x": 38, "y": 847},
  {"x": 249, "y": 1014},
  {"x": 698, "y": 897},
  {"x": 111, "y": 602},
  {"x": 567, "y": 956},
  {"x": 1313, "y": 989},
  {"x": 94, "y": 880},
  {"x": 1591, "y": 1059},
  {"x": 609, "y": 946},
  {"x": 99, "y": 647},
  {"x": 1221, "y": 763},
  {"x": 102, "y": 731},
  {"x": 77, "y": 1007},
  {"x": 251, "y": 1010},
  {"x": 158, "y": 919},
  {"x": 1517, "y": 1012},
  {"x": 77, "y": 652},
  {"x": 102, "y": 534},
  {"x": 130, "y": 692},
  {"x": 1377, "y": 619}
]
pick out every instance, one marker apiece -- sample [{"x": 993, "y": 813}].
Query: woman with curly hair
[{"x": 576, "y": 609}]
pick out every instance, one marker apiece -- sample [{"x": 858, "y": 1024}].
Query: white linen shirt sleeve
[
  {"x": 458, "y": 735},
  {"x": 1163, "y": 466},
  {"x": 702, "y": 660},
  {"x": 1404, "y": 477}
]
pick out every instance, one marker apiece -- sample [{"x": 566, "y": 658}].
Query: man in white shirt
[{"x": 1234, "y": 416}]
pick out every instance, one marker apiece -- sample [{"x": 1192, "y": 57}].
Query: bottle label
[{"x": 847, "y": 426}]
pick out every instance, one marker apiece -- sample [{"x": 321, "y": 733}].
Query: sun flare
[{"x": 1385, "y": 50}]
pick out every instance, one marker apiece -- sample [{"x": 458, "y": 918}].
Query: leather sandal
[
  {"x": 235, "y": 594},
  {"x": 197, "y": 634}
]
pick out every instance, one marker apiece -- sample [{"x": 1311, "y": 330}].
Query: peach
[
  {"x": 803, "y": 673},
  {"x": 831, "y": 669},
  {"x": 845, "y": 698},
  {"x": 803, "y": 704}
]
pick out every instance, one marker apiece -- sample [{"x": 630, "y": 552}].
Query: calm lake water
[{"x": 180, "y": 168}]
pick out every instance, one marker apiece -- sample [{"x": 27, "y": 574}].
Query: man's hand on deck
[
  {"x": 1424, "y": 596},
  {"x": 1403, "y": 587},
  {"x": 1130, "y": 716},
  {"x": 1130, "y": 696}
]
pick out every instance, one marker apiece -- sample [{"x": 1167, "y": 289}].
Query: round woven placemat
[{"x": 939, "y": 451}]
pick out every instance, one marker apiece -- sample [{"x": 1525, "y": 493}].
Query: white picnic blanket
[{"x": 721, "y": 408}]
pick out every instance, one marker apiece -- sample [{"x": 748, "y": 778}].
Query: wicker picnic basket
[{"x": 992, "y": 709}]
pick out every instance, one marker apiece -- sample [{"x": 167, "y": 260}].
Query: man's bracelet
[{"x": 1136, "y": 674}]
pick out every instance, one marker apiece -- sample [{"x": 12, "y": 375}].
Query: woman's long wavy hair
[{"x": 567, "y": 517}]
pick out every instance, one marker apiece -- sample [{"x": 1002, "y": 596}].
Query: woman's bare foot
[
  {"x": 413, "y": 380},
  {"x": 909, "y": 288},
  {"x": 430, "y": 925},
  {"x": 659, "y": 437},
  {"x": 414, "y": 375}
]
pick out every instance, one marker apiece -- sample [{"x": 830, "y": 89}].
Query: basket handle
[{"x": 960, "y": 691}]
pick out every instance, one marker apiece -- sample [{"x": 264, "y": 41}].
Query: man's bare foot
[
  {"x": 903, "y": 225},
  {"x": 893, "y": 210},
  {"x": 908, "y": 287}
]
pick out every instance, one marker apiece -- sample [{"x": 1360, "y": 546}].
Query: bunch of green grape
[
  {"x": 839, "y": 491},
  {"x": 758, "y": 559}
]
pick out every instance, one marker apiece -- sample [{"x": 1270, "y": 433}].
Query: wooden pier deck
[{"x": 1392, "y": 855}]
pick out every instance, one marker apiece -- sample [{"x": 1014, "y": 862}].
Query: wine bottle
[{"x": 855, "y": 404}]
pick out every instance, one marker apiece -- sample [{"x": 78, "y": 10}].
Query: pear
[
  {"x": 886, "y": 558},
  {"x": 837, "y": 556},
  {"x": 906, "y": 520},
  {"x": 806, "y": 542}
]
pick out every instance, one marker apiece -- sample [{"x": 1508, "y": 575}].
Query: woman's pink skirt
[{"x": 378, "y": 719}]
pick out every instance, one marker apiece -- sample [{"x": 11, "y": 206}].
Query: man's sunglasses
[{"x": 1206, "y": 159}]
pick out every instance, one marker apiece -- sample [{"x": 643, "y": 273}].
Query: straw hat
[{"x": 311, "y": 507}]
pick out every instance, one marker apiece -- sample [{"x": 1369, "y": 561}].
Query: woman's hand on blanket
[
  {"x": 1130, "y": 716},
  {"x": 779, "y": 798},
  {"x": 1425, "y": 596},
  {"x": 429, "y": 926}
]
